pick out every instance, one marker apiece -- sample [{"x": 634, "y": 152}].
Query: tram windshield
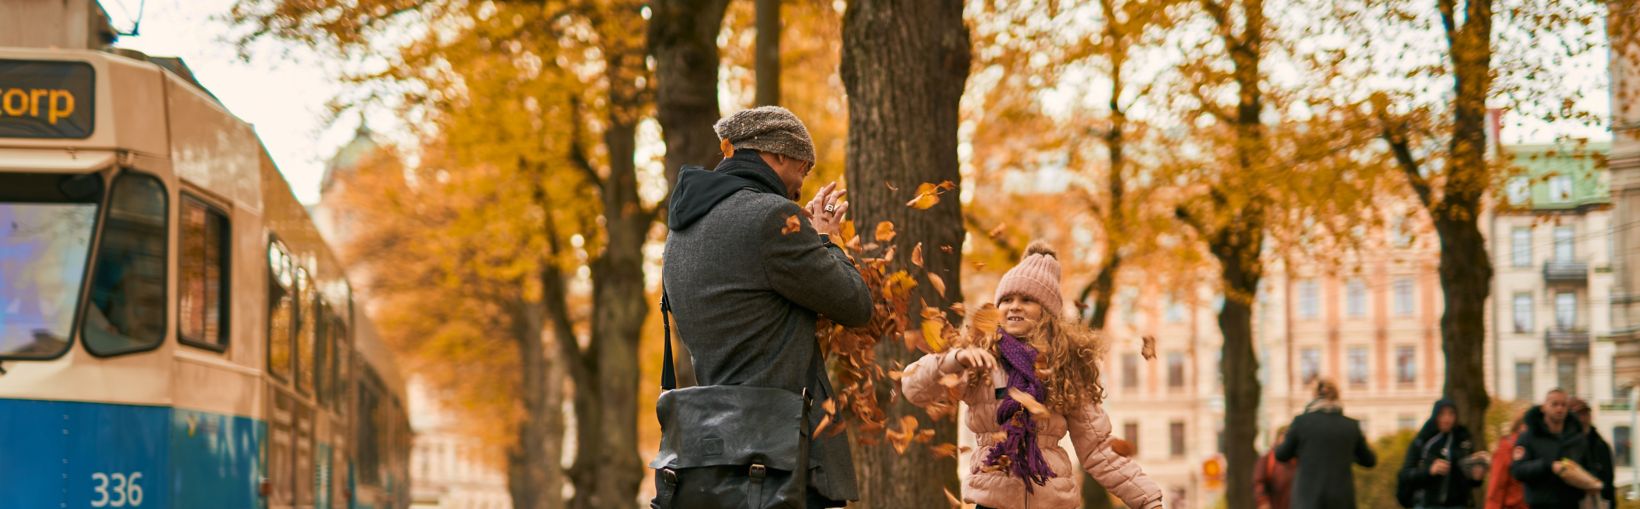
[{"x": 46, "y": 225}]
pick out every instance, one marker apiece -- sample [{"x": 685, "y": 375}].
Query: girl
[{"x": 1054, "y": 361}]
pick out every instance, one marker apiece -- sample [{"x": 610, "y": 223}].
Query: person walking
[
  {"x": 1602, "y": 461},
  {"x": 1273, "y": 480},
  {"x": 1541, "y": 454},
  {"x": 1503, "y": 491},
  {"x": 746, "y": 288},
  {"x": 1431, "y": 476},
  {"x": 1326, "y": 443},
  {"x": 1051, "y": 367}
]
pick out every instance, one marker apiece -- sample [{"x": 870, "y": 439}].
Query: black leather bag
[{"x": 730, "y": 447}]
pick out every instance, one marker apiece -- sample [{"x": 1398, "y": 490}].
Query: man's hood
[
  {"x": 1432, "y": 428},
  {"x": 699, "y": 191}
]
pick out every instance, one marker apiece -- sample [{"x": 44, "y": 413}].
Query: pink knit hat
[{"x": 1036, "y": 277}]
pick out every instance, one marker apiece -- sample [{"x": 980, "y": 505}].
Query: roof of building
[{"x": 1567, "y": 176}]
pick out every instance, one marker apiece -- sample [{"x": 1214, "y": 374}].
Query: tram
[{"x": 174, "y": 332}]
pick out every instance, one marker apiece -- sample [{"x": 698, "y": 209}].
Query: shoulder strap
[{"x": 669, "y": 378}]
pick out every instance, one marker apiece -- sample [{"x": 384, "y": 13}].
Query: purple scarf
[{"x": 1020, "y": 447}]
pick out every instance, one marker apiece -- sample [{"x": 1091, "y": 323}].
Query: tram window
[
  {"x": 203, "y": 256},
  {"x": 281, "y": 311},
  {"x": 46, "y": 225},
  {"x": 323, "y": 353},
  {"x": 127, "y": 302},
  {"x": 369, "y": 428},
  {"x": 342, "y": 349},
  {"x": 305, "y": 319}
]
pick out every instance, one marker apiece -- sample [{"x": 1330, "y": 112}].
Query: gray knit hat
[{"x": 770, "y": 129}]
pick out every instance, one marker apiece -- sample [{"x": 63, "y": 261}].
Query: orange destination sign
[{"x": 47, "y": 99}]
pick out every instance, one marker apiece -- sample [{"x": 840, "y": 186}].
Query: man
[
  {"x": 1273, "y": 480},
  {"x": 1504, "y": 492},
  {"x": 1431, "y": 476},
  {"x": 1600, "y": 452},
  {"x": 747, "y": 271},
  {"x": 1326, "y": 443},
  {"x": 1549, "y": 438}
]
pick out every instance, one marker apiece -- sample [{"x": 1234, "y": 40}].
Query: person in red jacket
[
  {"x": 1273, "y": 480},
  {"x": 1502, "y": 490}
]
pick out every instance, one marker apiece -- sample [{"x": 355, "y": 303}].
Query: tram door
[{"x": 292, "y": 416}]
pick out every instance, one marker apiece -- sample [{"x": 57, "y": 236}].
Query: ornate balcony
[
  {"x": 1566, "y": 272},
  {"x": 1566, "y": 341}
]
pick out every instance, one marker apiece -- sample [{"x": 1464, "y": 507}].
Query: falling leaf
[
  {"x": 1122, "y": 447},
  {"x": 901, "y": 438},
  {"x": 927, "y": 196},
  {"x": 943, "y": 450},
  {"x": 895, "y": 375},
  {"x": 959, "y": 309},
  {"x": 997, "y": 232},
  {"x": 955, "y": 502},
  {"x": 847, "y": 231},
  {"x": 792, "y": 225},
  {"x": 925, "y": 436},
  {"x": 1149, "y": 348},
  {"x": 932, "y": 337},
  {"x": 914, "y": 340},
  {"x": 885, "y": 231},
  {"x": 985, "y": 320},
  {"x": 947, "y": 250},
  {"x": 888, "y": 256},
  {"x": 951, "y": 380},
  {"x": 916, "y": 255},
  {"x": 1028, "y": 401},
  {"x": 964, "y": 449},
  {"x": 937, "y": 282},
  {"x": 825, "y": 422},
  {"x": 891, "y": 186}
]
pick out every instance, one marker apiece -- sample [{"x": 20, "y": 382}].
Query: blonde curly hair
[{"x": 1068, "y": 366}]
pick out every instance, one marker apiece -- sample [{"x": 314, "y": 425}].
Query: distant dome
[{"x": 347, "y": 158}]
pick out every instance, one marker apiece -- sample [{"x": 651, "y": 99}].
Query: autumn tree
[{"x": 904, "y": 65}]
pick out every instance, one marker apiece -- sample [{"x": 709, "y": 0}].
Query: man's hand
[
  {"x": 968, "y": 358},
  {"x": 1557, "y": 467},
  {"x": 1441, "y": 467},
  {"x": 826, "y": 211}
]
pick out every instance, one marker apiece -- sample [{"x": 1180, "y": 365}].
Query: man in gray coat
[{"x": 747, "y": 272}]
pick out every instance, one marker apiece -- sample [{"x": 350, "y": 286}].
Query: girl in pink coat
[{"x": 1043, "y": 358}]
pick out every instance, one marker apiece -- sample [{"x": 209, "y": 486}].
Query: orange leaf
[
  {"x": 951, "y": 380},
  {"x": 1122, "y": 447},
  {"x": 937, "y": 282},
  {"x": 895, "y": 375},
  {"x": 959, "y": 308},
  {"x": 885, "y": 231},
  {"x": 1149, "y": 348},
  {"x": 916, "y": 255},
  {"x": 825, "y": 422},
  {"x": 928, "y": 195},
  {"x": 847, "y": 231},
  {"x": 948, "y": 250},
  {"x": 1028, "y": 401},
  {"x": 792, "y": 225},
  {"x": 932, "y": 336},
  {"x": 944, "y": 450},
  {"x": 985, "y": 320},
  {"x": 997, "y": 232},
  {"x": 956, "y": 503}
]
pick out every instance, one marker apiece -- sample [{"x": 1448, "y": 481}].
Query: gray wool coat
[{"x": 745, "y": 295}]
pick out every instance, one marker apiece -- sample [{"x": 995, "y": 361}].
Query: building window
[
  {"x": 1520, "y": 247},
  {"x": 1524, "y": 389},
  {"x": 1560, "y": 188},
  {"x": 1309, "y": 299},
  {"x": 1565, "y": 244},
  {"x": 1358, "y": 366},
  {"x": 1406, "y": 422},
  {"x": 203, "y": 275},
  {"x": 1403, "y": 296},
  {"x": 1175, "y": 311},
  {"x": 1355, "y": 298},
  {"x": 1309, "y": 365},
  {"x": 1566, "y": 375},
  {"x": 1622, "y": 440},
  {"x": 1519, "y": 190},
  {"x": 1176, "y": 439},
  {"x": 1406, "y": 365},
  {"x": 1130, "y": 432},
  {"x": 1175, "y": 370},
  {"x": 1398, "y": 233},
  {"x": 1523, "y": 312},
  {"x": 127, "y": 303},
  {"x": 1130, "y": 371},
  {"x": 1566, "y": 311}
]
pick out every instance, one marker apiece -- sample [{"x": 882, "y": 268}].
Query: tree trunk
[
  {"x": 904, "y": 65},
  {"x": 768, "y": 52},
  {"x": 683, "y": 39},
  {"x": 1465, "y": 268},
  {"x": 1094, "y": 495},
  {"x": 1238, "y": 253},
  {"x": 533, "y": 475}
]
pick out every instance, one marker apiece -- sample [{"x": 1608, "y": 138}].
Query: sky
[{"x": 281, "y": 92}]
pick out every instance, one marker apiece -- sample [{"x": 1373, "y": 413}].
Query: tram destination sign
[{"x": 47, "y": 99}]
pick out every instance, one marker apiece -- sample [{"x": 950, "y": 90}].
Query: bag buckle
[
  {"x": 669, "y": 476},
  {"x": 758, "y": 472}
]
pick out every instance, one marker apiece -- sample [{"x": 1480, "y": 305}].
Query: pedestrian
[
  {"x": 747, "y": 272},
  {"x": 1050, "y": 367},
  {"x": 1603, "y": 465},
  {"x": 1432, "y": 475},
  {"x": 1273, "y": 480},
  {"x": 1326, "y": 443},
  {"x": 1541, "y": 454},
  {"x": 1503, "y": 491}
]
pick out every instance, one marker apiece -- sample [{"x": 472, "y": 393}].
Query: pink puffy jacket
[{"x": 1090, "y": 434}]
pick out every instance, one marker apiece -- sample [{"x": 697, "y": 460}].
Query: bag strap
[{"x": 669, "y": 379}]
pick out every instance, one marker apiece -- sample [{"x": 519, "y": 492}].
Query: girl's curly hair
[{"x": 1068, "y": 365}]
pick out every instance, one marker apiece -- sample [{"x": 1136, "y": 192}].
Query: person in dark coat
[
  {"x": 1273, "y": 480},
  {"x": 1431, "y": 471},
  {"x": 1600, "y": 451},
  {"x": 1325, "y": 442},
  {"x": 1550, "y": 437},
  {"x": 748, "y": 271}
]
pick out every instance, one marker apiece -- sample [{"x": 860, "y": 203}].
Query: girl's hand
[{"x": 964, "y": 359}]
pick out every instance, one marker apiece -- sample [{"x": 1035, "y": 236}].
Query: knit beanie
[
  {"x": 1036, "y": 277},
  {"x": 771, "y": 129}
]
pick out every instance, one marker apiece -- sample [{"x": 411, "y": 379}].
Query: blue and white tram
[{"x": 174, "y": 333}]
